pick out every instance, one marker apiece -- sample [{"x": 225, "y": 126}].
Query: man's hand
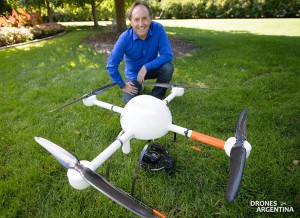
[
  {"x": 142, "y": 74},
  {"x": 130, "y": 88}
]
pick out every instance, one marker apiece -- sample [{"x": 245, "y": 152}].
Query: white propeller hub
[
  {"x": 230, "y": 143},
  {"x": 75, "y": 179},
  {"x": 146, "y": 117},
  {"x": 89, "y": 101}
]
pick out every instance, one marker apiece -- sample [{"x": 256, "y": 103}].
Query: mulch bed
[{"x": 104, "y": 43}]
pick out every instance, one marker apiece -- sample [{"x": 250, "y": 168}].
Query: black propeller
[
  {"x": 94, "y": 92},
  {"x": 170, "y": 85},
  {"x": 237, "y": 159},
  {"x": 68, "y": 160}
]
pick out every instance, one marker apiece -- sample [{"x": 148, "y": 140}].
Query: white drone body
[
  {"x": 148, "y": 118},
  {"x": 143, "y": 117}
]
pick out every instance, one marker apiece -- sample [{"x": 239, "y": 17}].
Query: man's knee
[{"x": 167, "y": 70}]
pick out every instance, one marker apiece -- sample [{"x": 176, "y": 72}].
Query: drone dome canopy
[{"x": 146, "y": 117}]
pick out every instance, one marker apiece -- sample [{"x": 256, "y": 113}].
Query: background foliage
[
  {"x": 12, "y": 35},
  {"x": 22, "y": 27},
  {"x": 74, "y": 10}
]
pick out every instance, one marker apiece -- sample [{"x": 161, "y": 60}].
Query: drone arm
[
  {"x": 207, "y": 139},
  {"x": 108, "y": 106},
  {"x": 175, "y": 92},
  {"x": 198, "y": 136},
  {"x": 92, "y": 100},
  {"x": 111, "y": 149}
]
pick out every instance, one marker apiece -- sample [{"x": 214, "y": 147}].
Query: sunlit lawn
[
  {"x": 257, "y": 69},
  {"x": 283, "y": 27}
]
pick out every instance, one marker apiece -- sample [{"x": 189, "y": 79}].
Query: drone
[{"x": 146, "y": 118}]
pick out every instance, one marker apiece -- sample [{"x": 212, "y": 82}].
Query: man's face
[{"x": 140, "y": 21}]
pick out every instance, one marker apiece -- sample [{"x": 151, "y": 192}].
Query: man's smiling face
[{"x": 140, "y": 21}]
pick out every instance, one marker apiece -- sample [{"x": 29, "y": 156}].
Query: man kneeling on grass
[{"x": 147, "y": 53}]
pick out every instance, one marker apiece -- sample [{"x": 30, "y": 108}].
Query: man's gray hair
[{"x": 137, "y": 3}]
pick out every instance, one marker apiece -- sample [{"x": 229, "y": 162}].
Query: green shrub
[
  {"x": 67, "y": 14},
  {"x": 200, "y": 10},
  {"x": 22, "y": 27},
  {"x": 156, "y": 9},
  {"x": 12, "y": 35},
  {"x": 104, "y": 14},
  {"x": 186, "y": 9},
  {"x": 46, "y": 29}
]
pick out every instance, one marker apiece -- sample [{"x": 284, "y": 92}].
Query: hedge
[
  {"x": 189, "y": 9},
  {"x": 14, "y": 35}
]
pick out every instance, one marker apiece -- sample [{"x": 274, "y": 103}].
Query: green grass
[{"x": 258, "y": 72}]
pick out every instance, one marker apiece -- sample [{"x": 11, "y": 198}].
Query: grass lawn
[{"x": 256, "y": 71}]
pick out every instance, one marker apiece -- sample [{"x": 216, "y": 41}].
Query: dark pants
[{"x": 162, "y": 75}]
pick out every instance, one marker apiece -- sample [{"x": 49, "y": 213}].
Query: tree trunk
[
  {"x": 49, "y": 11},
  {"x": 120, "y": 15},
  {"x": 94, "y": 13}
]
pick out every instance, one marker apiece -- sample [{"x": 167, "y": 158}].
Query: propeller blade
[
  {"x": 237, "y": 159},
  {"x": 102, "y": 89},
  {"x": 170, "y": 85},
  {"x": 237, "y": 165},
  {"x": 72, "y": 102},
  {"x": 94, "y": 92},
  {"x": 68, "y": 160},
  {"x": 64, "y": 157},
  {"x": 240, "y": 130},
  {"x": 115, "y": 194}
]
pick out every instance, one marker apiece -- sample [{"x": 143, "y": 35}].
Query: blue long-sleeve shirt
[{"x": 152, "y": 52}]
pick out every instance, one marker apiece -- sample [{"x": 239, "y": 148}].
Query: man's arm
[
  {"x": 113, "y": 63},
  {"x": 114, "y": 60}
]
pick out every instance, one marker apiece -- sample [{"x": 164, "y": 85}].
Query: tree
[
  {"x": 119, "y": 10},
  {"x": 120, "y": 15},
  {"x": 49, "y": 11},
  {"x": 94, "y": 13}
]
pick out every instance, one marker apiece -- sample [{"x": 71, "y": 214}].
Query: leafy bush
[
  {"x": 200, "y": 10},
  {"x": 67, "y": 14},
  {"x": 185, "y": 9},
  {"x": 12, "y": 35},
  {"x": 46, "y": 29},
  {"x": 189, "y": 10},
  {"x": 22, "y": 27},
  {"x": 104, "y": 14},
  {"x": 20, "y": 18}
]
